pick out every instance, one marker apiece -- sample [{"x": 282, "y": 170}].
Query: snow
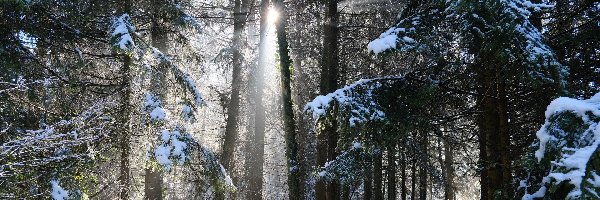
[
  {"x": 186, "y": 112},
  {"x": 322, "y": 173},
  {"x": 188, "y": 81},
  {"x": 173, "y": 146},
  {"x": 158, "y": 114},
  {"x": 122, "y": 29},
  {"x": 595, "y": 181},
  {"x": 571, "y": 164},
  {"x": 178, "y": 147},
  {"x": 384, "y": 42},
  {"x": 389, "y": 39},
  {"x": 356, "y": 145},
  {"x": 562, "y": 104},
  {"x": 361, "y": 107},
  {"x": 227, "y": 179},
  {"x": 408, "y": 39},
  {"x": 538, "y": 194},
  {"x": 162, "y": 153},
  {"x": 151, "y": 101},
  {"x": 165, "y": 136},
  {"x": 191, "y": 84},
  {"x": 58, "y": 193},
  {"x": 79, "y": 53}
]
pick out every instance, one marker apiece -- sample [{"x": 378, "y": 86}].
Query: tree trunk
[
  {"x": 153, "y": 184},
  {"x": 504, "y": 136},
  {"x": 423, "y": 167},
  {"x": 377, "y": 177},
  {"x": 494, "y": 135},
  {"x": 449, "y": 169},
  {"x": 289, "y": 123},
  {"x": 125, "y": 112},
  {"x": 125, "y": 128},
  {"x": 368, "y": 180},
  {"x": 403, "y": 172},
  {"x": 329, "y": 83},
  {"x": 413, "y": 180},
  {"x": 391, "y": 172},
  {"x": 230, "y": 139}
]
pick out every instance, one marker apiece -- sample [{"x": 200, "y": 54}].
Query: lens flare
[{"x": 272, "y": 15}]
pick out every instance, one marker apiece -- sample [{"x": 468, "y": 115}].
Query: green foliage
[{"x": 371, "y": 115}]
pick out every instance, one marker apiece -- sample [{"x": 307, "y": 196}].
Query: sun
[{"x": 272, "y": 15}]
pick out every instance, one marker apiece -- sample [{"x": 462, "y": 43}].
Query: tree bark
[
  {"x": 368, "y": 180},
  {"x": 449, "y": 170},
  {"x": 423, "y": 167},
  {"x": 494, "y": 134},
  {"x": 289, "y": 122},
  {"x": 413, "y": 180},
  {"x": 391, "y": 172},
  {"x": 125, "y": 112},
  {"x": 230, "y": 139},
  {"x": 403, "y": 173},
  {"x": 377, "y": 177},
  {"x": 125, "y": 129},
  {"x": 329, "y": 83}
]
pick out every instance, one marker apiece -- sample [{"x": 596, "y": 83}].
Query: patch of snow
[
  {"x": 162, "y": 154},
  {"x": 58, "y": 193},
  {"x": 408, "y": 39},
  {"x": 571, "y": 165},
  {"x": 158, "y": 114},
  {"x": 165, "y": 136},
  {"x": 359, "y": 106},
  {"x": 383, "y": 43},
  {"x": 227, "y": 179},
  {"x": 122, "y": 29},
  {"x": 356, "y": 145},
  {"x": 322, "y": 173}
]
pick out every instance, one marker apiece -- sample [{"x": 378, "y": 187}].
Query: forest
[{"x": 300, "y": 99}]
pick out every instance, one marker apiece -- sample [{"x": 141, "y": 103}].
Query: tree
[
  {"x": 285, "y": 65},
  {"x": 240, "y": 13},
  {"x": 566, "y": 151},
  {"x": 527, "y": 58},
  {"x": 95, "y": 65},
  {"x": 329, "y": 82}
]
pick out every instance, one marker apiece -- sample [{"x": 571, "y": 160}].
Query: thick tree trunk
[
  {"x": 494, "y": 134},
  {"x": 320, "y": 187},
  {"x": 153, "y": 184},
  {"x": 125, "y": 112},
  {"x": 391, "y": 172},
  {"x": 230, "y": 140},
  {"x": 367, "y": 181},
  {"x": 289, "y": 123},
  {"x": 125, "y": 129},
  {"x": 377, "y": 177},
  {"x": 329, "y": 83},
  {"x": 504, "y": 136}
]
